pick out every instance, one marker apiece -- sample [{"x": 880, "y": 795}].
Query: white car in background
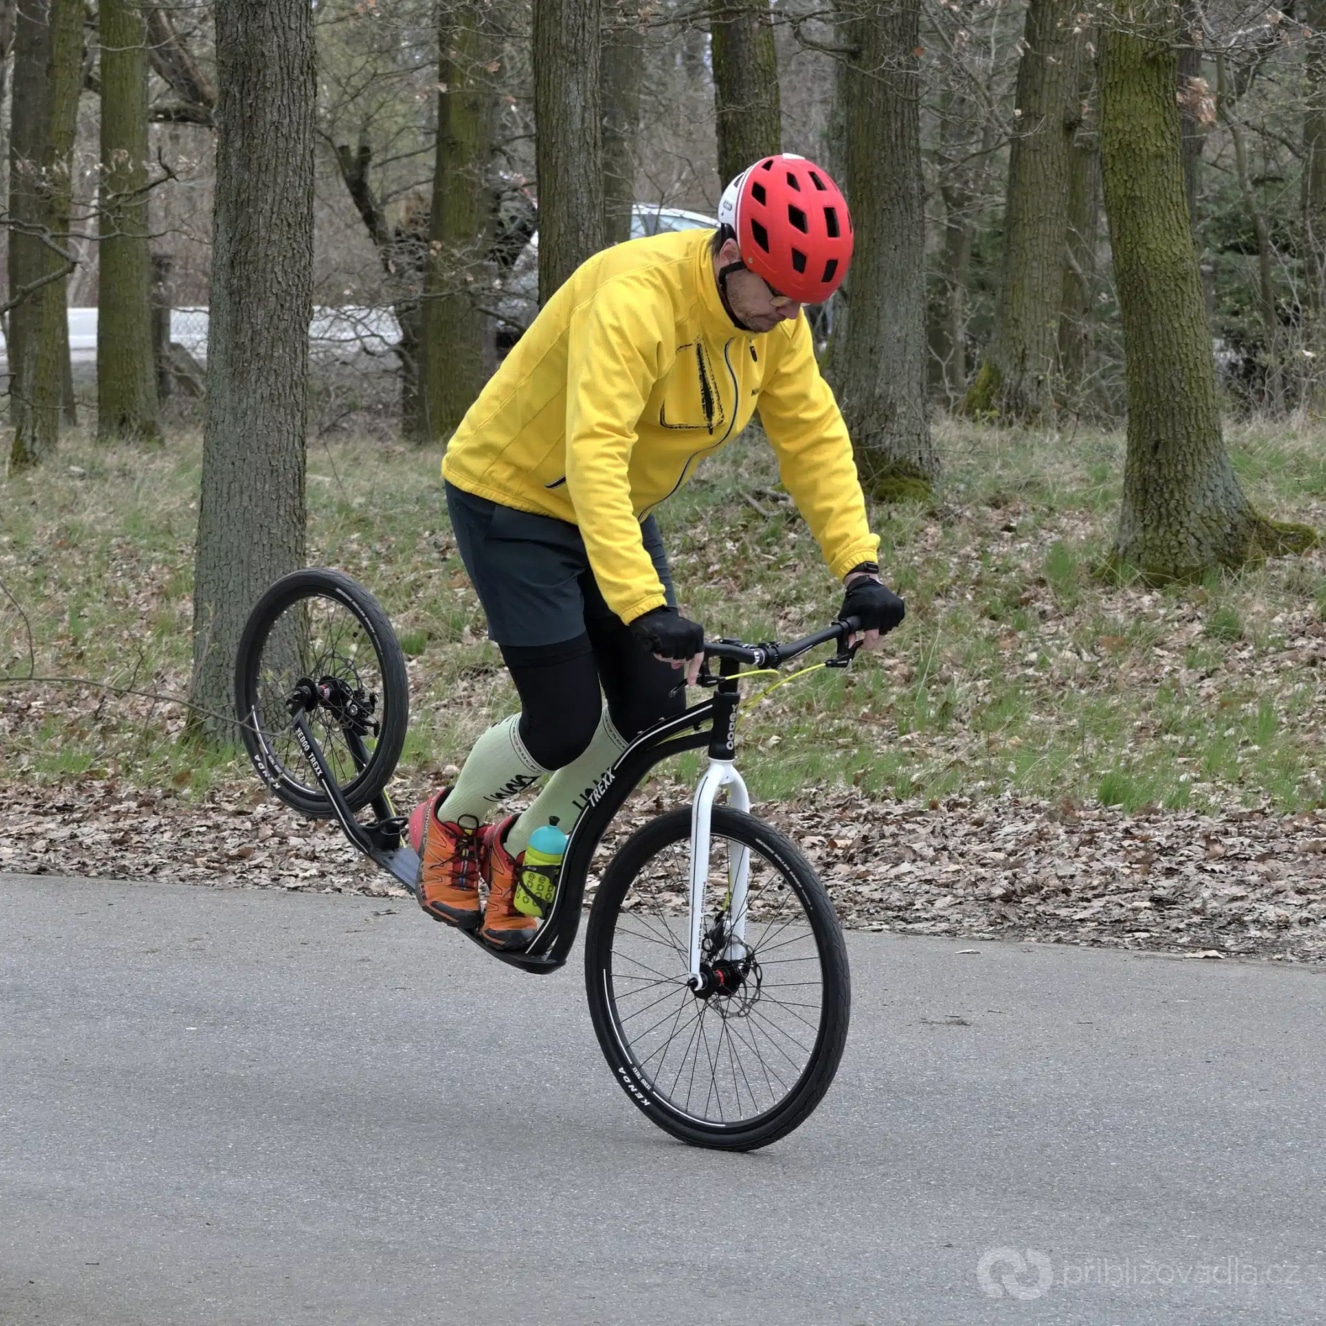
[
  {"x": 518, "y": 300},
  {"x": 335, "y": 334}
]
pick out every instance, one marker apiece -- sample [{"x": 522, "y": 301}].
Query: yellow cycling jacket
[{"x": 630, "y": 375}]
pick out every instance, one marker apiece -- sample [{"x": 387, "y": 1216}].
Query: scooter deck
[{"x": 402, "y": 862}]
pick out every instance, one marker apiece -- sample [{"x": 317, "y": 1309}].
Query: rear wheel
[
  {"x": 746, "y": 1059},
  {"x": 320, "y": 634}
]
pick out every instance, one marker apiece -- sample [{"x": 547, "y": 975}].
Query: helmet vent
[
  {"x": 798, "y": 218},
  {"x": 767, "y": 163},
  {"x": 761, "y": 235},
  {"x": 798, "y": 260},
  {"x": 830, "y": 268},
  {"x": 819, "y": 183},
  {"x": 831, "y": 222},
  {"x": 757, "y": 192},
  {"x": 793, "y": 182}
]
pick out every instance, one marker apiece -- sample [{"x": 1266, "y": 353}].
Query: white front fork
[{"x": 720, "y": 774}]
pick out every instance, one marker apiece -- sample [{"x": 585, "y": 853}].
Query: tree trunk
[
  {"x": 180, "y": 71},
  {"x": 947, "y": 325},
  {"x": 48, "y": 61},
  {"x": 403, "y": 252},
  {"x": 457, "y": 334},
  {"x": 1314, "y": 154},
  {"x": 1079, "y": 273},
  {"x": 31, "y": 416},
  {"x": 1183, "y": 511},
  {"x": 126, "y": 373},
  {"x": 746, "y": 101},
  {"x": 251, "y": 513},
  {"x": 1314, "y": 195},
  {"x": 1016, "y": 380},
  {"x": 569, "y": 146},
  {"x": 66, "y": 84},
  {"x": 410, "y": 356},
  {"x": 962, "y": 175},
  {"x": 879, "y": 366},
  {"x": 1273, "y": 393},
  {"x": 7, "y": 8},
  {"x": 694, "y": 43},
  {"x": 623, "y": 74},
  {"x": 1192, "y": 100}
]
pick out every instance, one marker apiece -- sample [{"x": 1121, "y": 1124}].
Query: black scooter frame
[
  {"x": 381, "y": 839},
  {"x": 710, "y": 723}
]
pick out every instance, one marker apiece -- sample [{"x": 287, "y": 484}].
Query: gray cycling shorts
[{"x": 532, "y": 573}]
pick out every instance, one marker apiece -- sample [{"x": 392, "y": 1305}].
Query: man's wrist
[{"x": 868, "y": 570}]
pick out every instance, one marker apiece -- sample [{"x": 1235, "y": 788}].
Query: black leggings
[
  {"x": 533, "y": 577},
  {"x": 559, "y": 690}
]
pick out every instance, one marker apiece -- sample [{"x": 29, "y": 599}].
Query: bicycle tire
[
  {"x": 664, "y": 844},
  {"x": 293, "y": 609}
]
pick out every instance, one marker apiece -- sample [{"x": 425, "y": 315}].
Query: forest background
[{"x": 1075, "y": 735}]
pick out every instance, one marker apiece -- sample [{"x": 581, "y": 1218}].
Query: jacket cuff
[
  {"x": 638, "y": 607},
  {"x": 867, "y": 550}
]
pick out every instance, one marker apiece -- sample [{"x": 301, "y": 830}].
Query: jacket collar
[{"x": 715, "y": 316}]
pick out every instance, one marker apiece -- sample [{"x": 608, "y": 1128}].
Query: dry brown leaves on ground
[{"x": 1236, "y": 883}]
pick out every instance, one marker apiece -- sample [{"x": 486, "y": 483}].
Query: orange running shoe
[
  {"x": 449, "y": 863},
  {"x": 503, "y": 926}
]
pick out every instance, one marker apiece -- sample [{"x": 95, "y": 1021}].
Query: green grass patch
[
  {"x": 1061, "y": 571},
  {"x": 1224, "y": 623},
  {"x": 1018, "y": 667}
]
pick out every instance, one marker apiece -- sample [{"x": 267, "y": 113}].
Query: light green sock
[
  {"x": 566, "y": 793},
  {"x": 498, "y": 767}
]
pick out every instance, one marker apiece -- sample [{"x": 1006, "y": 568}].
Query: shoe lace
[{"x": 466, "y": 851}]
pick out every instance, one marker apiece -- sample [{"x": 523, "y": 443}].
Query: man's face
[{"x": 760, "y": 308}]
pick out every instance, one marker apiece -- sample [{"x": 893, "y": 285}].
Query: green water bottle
[{"x": 541, "y": 870}]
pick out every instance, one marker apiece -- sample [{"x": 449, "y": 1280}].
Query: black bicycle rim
[{"x": 312, "y": 626}]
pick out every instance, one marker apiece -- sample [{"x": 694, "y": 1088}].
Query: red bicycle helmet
[{"x": 792, "y": 226}]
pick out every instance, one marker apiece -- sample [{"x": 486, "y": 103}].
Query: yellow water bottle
[{"x": 541, "y": 870}]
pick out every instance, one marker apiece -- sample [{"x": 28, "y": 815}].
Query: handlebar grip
[{"x": 726, "y": 649}]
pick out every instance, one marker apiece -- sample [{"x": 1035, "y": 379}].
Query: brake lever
[
  {"x": 846, "y": 653},
  {"x": 703, "y": 678}
]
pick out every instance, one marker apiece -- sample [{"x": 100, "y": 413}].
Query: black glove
[
  {"x": 877, "y": 606},
  {"x": 665, "y": 632}
]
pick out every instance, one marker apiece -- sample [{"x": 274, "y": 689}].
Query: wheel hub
[
  {"x": 352, "y": 710},
  {"x": 723, "y": 978}
]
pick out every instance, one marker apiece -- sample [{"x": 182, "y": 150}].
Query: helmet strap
[{"x": 723, "y": 274}]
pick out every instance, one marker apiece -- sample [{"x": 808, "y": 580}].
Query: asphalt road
[{"x": 235, "y": 1107}]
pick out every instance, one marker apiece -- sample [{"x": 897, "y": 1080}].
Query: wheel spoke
[
  {"x": 668, "y": 995},
  {"x": 764, "y": 1064},
  {"x": 694, "y": 1032},
  {"x": 653, "y": 971},
  {"x": 667, "y": 1043},
  {"x": 764, "y": 1024}
]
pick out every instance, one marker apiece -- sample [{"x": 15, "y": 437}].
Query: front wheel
[{"x": 746, "y": 1062}]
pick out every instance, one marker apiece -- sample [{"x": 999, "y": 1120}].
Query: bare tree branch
[
  {"x": 25, "y": 292},
  {"x": 172, "y": 60}
]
